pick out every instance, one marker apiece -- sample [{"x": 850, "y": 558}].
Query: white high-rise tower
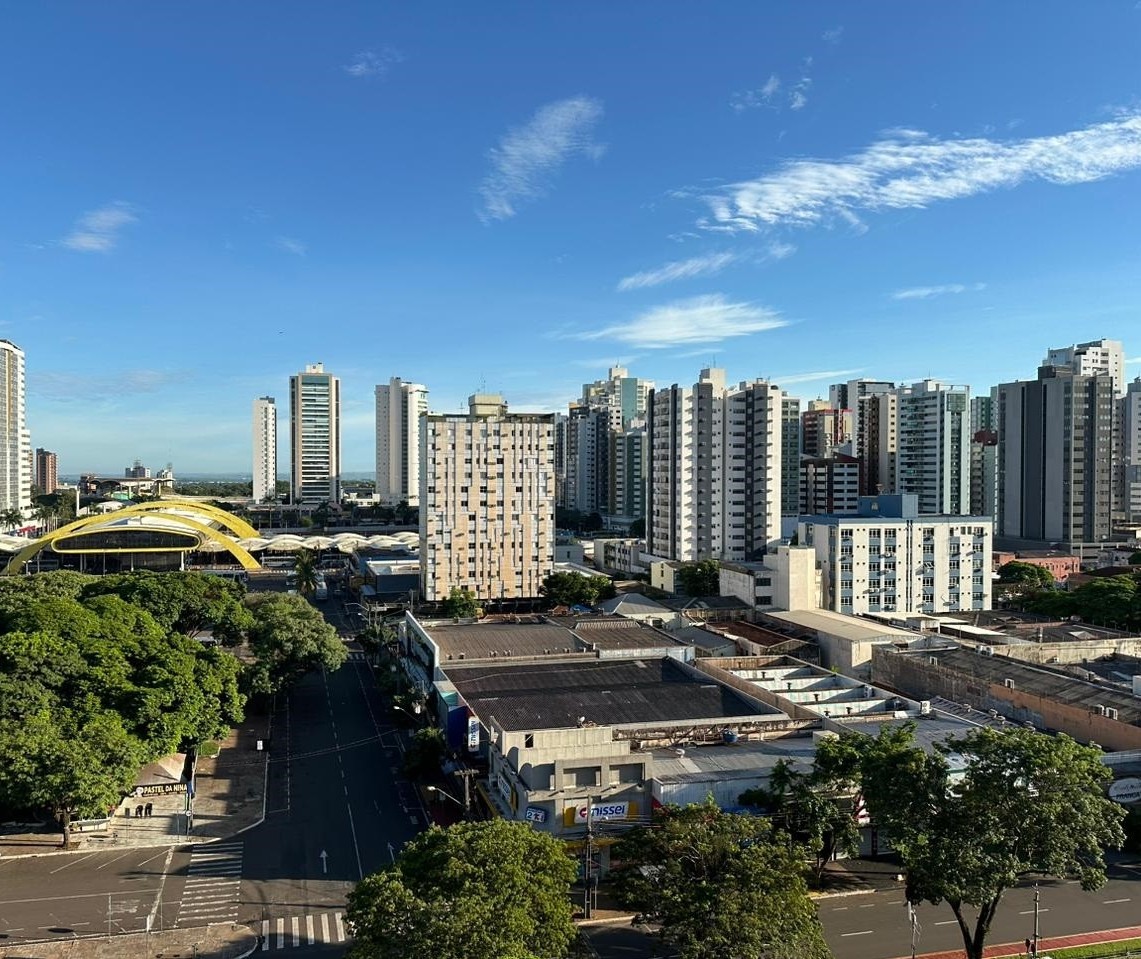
[
  {"x": 15, "y": 440},
  {"x": 399, "y": 406},
  {"x": 315, "y": 433},
  {"x": 265, "y": 449}
]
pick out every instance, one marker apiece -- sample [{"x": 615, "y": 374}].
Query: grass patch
[
  {"x": 1102, "y": 950},
  {"x": 208, "y": 750}
]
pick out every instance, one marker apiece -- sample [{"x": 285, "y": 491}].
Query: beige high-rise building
[
  {"x": 399, "y": 406},
  {"x": 47, "y": 471},
  {"x": 487, "y": 501}
]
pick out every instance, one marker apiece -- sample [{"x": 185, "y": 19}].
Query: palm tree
[
  {"x": 306, "y": 572},
  {"x": 12, "y": 518}
]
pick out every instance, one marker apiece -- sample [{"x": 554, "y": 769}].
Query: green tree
[
  {"x": 699, "y": 579},
  {"x": 478, "y": 890},
  {"x": 719, "y": 884},
  {"x": 1109, "y": 600},
  {"x": 425, "y": 753},
  {"x": 306, "y": 572},
  {"x": 638, "y": 527},
  {"x": 1025, "y": 574},
  {"x": 1026, "y": 804},
  {"x": 460, "y": 604},
  {"x": 73, "y": 762},
  {"x": 288, "y": 639},
  {"x": 574, "y": 589},
  {"x": 1135, "y": 559}
]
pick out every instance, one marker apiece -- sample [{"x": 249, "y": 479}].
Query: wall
[
  {"x": 914, "y": 675},
  {"x": 1077, "y": 651}
]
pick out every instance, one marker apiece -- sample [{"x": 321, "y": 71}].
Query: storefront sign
[
  {"x": 535, "y": 814},
  {"x": 1126, "y": 791},
  {"x": 505, "y": 788},
  {"x": 473, "y": 734},
  {"x": 602, "y": 811}
]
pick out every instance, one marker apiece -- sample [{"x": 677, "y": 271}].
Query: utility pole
[
  {"x": 589, "y": 855},
  {"x": 1034, "y": 951},
  {"x": 466, "y": 775}
]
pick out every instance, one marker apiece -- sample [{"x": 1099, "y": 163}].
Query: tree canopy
[
  {"x": 460, "y": 604},
  {"x": 479, "y": 890},
  {"x": 720, "y": 884},
  {"x": 1106, "y": 601},
  {"x": 288, "y": 638},
  {"x": 1028, "y": 574},
  {"x": 700, "y": 579},
  {"x": 574, "y": 589},
  {"x": 1026, "y": 803}
]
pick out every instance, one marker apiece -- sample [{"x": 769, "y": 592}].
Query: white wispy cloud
[
  {"x": 1135, "y": 359},
  {"x": 811, "y": 377},
  {"x": 926, "y": 292},
  {"x": 798, "y": 95},
  {"x": 605, "y": 362},
  {"x": 708, "y": 265},
  {"x": 763, "y": 96},
  {"x": 524, "y": 161},
  {"x": 372, "y": 63},
  {"x": 833, "y": 36},
  {"x": 699, "y": 319},
  {"x": 83, "y": 387},
  {"x": 290, "y": 245},
  {"x": 909, "y": 169},
  {"x": 97, "y": 231}
]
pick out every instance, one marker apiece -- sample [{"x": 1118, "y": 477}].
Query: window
[{"x": 528, "y": 740}]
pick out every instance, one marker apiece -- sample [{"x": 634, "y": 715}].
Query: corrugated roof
[
  {"x": 851, "y": 628},
  {"x": 603, "y": 692}
]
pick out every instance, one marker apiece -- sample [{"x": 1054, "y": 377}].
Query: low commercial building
[
  {"x": 845, "y": 642},
  {"x": 787, "y": 578},
  {"x": 1059, "y": 566}
]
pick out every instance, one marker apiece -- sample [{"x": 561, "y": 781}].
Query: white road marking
[
  {"x": 839, "y": 908},
  {"x": 265, "y": 935},
  {"x": 1110, "y": 902},
  {"x": 295, "y": 929},
  {"x": 1030, "y": 912},
  {"x": 324, "y": 927},
  {"x": 340, "y": 927},
  {"x": 109, "y": 861},
  {"x": 947, "y": 922},
  {"x": 280, "y": 933},
  {"x": 865, "y": 932},
  {"x": 309, "y": 929},
  {"x": 74, "y": 862}
]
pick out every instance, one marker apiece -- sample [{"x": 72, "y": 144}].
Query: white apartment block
[
  {"x": 315, "y": 433},
  {"x": 891, "y": 559},
  {"x": 399, "y": 406},
  {"x": 1105, "y": 357},
  {"x": 715, "y": 478},
  {"x": 487, "y": 501},
  {"x": 16, "y": 459},
  {"x": 265, "y": 449},
  {"x": 933, "y": 459}
]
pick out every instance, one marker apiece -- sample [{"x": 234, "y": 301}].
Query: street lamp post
[{"x": 465, "y": 806}]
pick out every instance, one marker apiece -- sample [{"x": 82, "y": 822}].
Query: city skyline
[{"x": 516, "y": 199}]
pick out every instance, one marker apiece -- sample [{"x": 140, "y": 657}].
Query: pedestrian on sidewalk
[
  {"x": 139, "y": 811},
  {"x": 150, "y": 809}
]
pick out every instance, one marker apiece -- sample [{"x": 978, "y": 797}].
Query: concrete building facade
[
  {"x": 933, "y": 458},
  {"x": 1131, "y": 453},
  {"x": 487, "y": 501},
  {"x": 829, "y": 485},
  {"x": 1095, "y": 358},
  {"x": 1056, "y": 451},
  {"x": 399, "y": 406},
  {"x": 15, "y": 440},
  {"x": 47, "y": 471},
  {"x": 264, "y": 449},
  {"x": 890, "y": 558},
  {"x": 315, "y": 435}
]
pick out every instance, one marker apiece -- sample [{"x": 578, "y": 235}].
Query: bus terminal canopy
[{"x": 180, "y": 526}]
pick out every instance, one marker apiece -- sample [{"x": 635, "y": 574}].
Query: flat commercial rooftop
[
  {"x": 557, "y": 695},
  {"x": 851, "y": 628}
]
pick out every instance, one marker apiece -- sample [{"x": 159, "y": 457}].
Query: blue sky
[{"x": 196, "y": 200}]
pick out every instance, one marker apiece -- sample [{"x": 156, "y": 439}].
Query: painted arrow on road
[{"x": 324, "y": 861}]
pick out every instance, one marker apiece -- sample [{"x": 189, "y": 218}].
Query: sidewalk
[
  {"x": 221, "y": 941},
  {"x": 229, "y": 798},
  {"x": 1044, "y": 945}
]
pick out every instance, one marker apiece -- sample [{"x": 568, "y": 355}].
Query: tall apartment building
[
  {"x": 1131, "y": 452},
  {"x": 586, "y": 442},
  {"x": 265, "y": 449},
  {"x": 829, "y": 485},
  {"x": 847, "y": 396},
  {"x": 487, "y": 501},
  {"x": 315, "y": 434},
  {"x": 399, "y": 406},
  {"x": 934, "y": 453},
  {"x": 891, "y": 559},
  {"x": 629, "y": 461},
  {"x": 877, "y": 442},
  {"x": 789, "y": 464},
  {"x": 824, "y": 428},
  {"x": 1056, "y": 450},
  {"x": 47, "y": 471},
  {"x": 984, "y": 455},
  {"x": 715, "y": 476},
  {"x": 1104, "y": 357},
  {"x": 15, "y": 440}
]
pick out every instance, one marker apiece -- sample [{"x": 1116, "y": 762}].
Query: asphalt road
[{"x": 875, "y": 925}]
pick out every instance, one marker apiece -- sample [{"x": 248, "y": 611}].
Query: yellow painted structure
[{"x": 89, "y": 525}]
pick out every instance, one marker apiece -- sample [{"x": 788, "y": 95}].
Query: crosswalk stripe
[
  {"x": 309, "y": 929},
  {"x": 265, "y": 935},
  {"x": 280, "y": 933},
  {"x": 295, "y": 928},
  {"x": 324, "y": 927},
  {"x": 340, "y": 927}
]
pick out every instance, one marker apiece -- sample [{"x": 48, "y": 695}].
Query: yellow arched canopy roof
[{"x": 142, "y": 511}]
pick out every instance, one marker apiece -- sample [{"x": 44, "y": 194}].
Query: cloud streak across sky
[
  {"x": 699, "y": 319},
  {"x": 97, "y": 231},
  {"x": 909, "y": 169},
  {"x": 927, "y": 292},
  {"x": 707, "y": 265},
  {"x": 527, "y": 157}
]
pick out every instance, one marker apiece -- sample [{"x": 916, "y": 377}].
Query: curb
[
  {"x": 627, "y": 919},
  {"x": 1102, "y": 937}
]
